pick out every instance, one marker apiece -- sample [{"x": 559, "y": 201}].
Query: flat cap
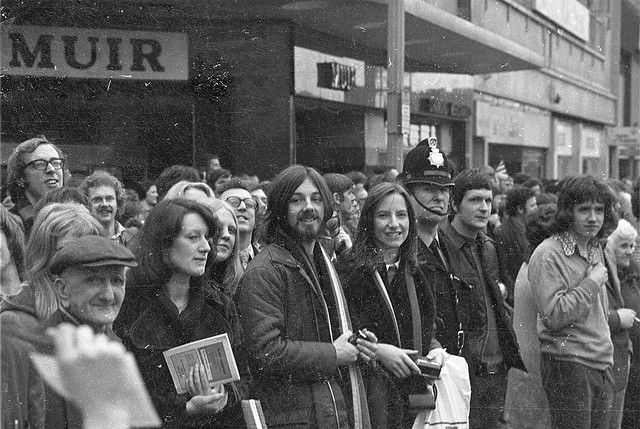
[{"x": 91, "y": 251}]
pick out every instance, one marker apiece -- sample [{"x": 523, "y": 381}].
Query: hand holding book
[{"x": 205, "y": 399}]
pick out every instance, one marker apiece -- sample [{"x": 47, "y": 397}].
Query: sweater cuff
[{"x": 592, "y": 287}]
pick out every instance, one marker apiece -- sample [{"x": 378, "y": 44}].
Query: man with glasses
[
  {"x": 237, "y": 195},
  {"x": 35, "y": 167}
]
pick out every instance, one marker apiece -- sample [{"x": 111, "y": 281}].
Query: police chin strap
[{"x": 437, "y": 213}]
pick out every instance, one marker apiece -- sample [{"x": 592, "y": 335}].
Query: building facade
[{"x": 133, "y": 87}]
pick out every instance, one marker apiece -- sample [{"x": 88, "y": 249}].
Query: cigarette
[{"x": 636, "y": 319}]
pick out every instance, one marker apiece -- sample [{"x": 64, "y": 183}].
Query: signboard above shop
[
  {"x": 624, "y": 136},
  {"x": 336, "y": 76},
  {"x": 94, "y": 53}
]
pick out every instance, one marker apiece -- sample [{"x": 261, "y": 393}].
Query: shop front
[
  {"x": 136, "y": 101},
  {"x": 579, "y": 148},
  {"x": 513, "y": 133}
]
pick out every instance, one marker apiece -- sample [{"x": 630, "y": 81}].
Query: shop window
[
  {"x": 591, "y": 166},
  {"x": 564, "y": 166},
  {"x": 419, "y": 132}
]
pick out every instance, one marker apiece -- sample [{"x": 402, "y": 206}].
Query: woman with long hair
[
  {"x": 227, "y": 268},
  {"x": 170, "y": 303},
  {"x": 388, "y": 295}
]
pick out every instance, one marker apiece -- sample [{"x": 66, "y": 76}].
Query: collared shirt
[
  {"x": 395, "y": 264},
  {"x": 594, "y": 253},
  {"x": 118, "y": 237},
  {"x": 246, "y": 255}
]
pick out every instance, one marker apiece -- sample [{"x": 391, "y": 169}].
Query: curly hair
[
  {"x": 517, "y": 199},
  {"x": 102, "y": 178},
  {"x": 577, "y": 190}
]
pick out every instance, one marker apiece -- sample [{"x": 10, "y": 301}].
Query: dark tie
[
  {"x": 435, "y": 249},
  {"x": 391, "y": 273}
]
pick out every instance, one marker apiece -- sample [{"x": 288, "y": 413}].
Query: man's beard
[{"x": 307, "y": 232}]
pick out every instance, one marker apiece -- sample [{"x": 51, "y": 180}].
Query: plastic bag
[{"x": 453, "y": 401}]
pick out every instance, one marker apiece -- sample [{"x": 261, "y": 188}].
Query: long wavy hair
[
  {"x": 365, "y": 252},
  {"x": 231, "y": 269},
  {"x": 577, "y": 190},
  {"x": 160, "y": 230},
  {"x": 280, "y": 191},
  {"x": 53, "y": 225}
]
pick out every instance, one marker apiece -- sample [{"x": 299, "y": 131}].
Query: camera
[
  {"x": 427, "y": 368},
  {"x": 333, "y": 225},
  {"x": 358, "y": 334}
]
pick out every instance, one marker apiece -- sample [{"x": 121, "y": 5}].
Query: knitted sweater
[{"x": 572, "y": 308}]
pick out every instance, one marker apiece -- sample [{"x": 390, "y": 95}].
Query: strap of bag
[
  {"x": 387, "y": 300},
  {"x": 416, "y": 321},
  {"x": 360, "y": 407}
]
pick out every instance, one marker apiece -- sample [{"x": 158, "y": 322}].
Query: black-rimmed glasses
[
  {"x": 250, "y": 203},
  {"x": 41, "y": 164}
]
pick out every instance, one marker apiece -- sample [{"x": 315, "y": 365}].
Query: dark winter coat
[
  {"x": 619, "y": 336},
  {"x": 387, "y": 395},
  {"x": 23, "y": 394},
  {"x": 289, "y": 339},
  {"x": 149, "y": 324},
  {"x": 512, "y": 245},
  {"x": 453, "y": 300}
]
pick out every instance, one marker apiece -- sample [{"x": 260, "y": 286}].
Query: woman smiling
[{"x": 388, "y": 295}]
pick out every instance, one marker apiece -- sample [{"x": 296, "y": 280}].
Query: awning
[{"x": 435, "y": 41}]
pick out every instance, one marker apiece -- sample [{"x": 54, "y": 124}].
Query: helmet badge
[{"x": 435, "y": 156}]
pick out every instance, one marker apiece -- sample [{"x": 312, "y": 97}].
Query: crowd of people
[{"x": 336, "y": 292}]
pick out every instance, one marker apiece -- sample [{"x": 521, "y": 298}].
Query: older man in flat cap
[{"x": 90, "y": 282}]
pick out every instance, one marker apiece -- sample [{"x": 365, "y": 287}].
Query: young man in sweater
[{"x": 569, "y": 279}]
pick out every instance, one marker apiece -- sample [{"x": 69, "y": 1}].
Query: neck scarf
[{"x": 360, "y": 409}]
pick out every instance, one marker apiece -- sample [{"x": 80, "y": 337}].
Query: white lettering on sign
[{"x": 94, "y": 53}]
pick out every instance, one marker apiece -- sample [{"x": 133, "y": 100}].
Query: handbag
[
  {"x": 453, "y": 400},
  {"x": 422, "y": 396}
]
